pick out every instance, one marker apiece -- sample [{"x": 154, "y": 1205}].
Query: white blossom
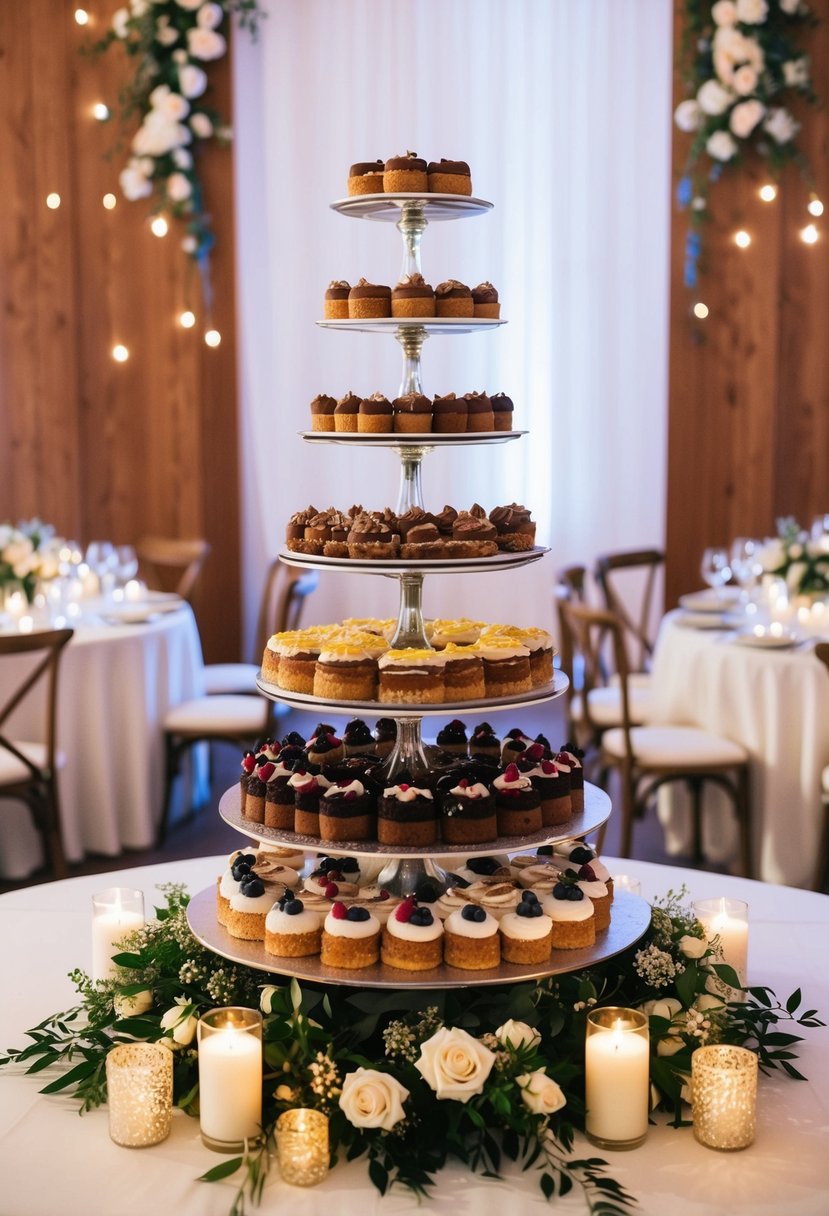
[
  {"x": 752, "y": 12},
  {"x": 454, "y": 1064},
  {"x": 713, "y": 98},
  {"x": 179, "y": 187},
  {"x": 781, "y": 126},
  {"x": 745, "y": 80},
  {"x": 181, "y": 1021},
  {"x": 540, "y": 1093},
  {"x": 688, "y": 115},
  {"x": 182, "y": 158},
  {"x": 720, "y": 145},
  {"x": 745, "y": 117},
  {"x": 190, "y": 5},
  {"x": 373, "y": 1099},
  {"x": 790, "y": 6},
  {"x": 209, "y": 16},
  {"x": 724, "y": 12},
  {"x": 119, "y": 23},
  {"x": 692, "y": 947},
  {"x": 796, "y": 71},
  {"x": 192, "y": 80},
  {"x": 201, "y": 125},
  {"x": 134, "y": 184},
  {"x": 165, "y": 33},
  {"x": 517, "y": 1034},
  {"x": 205, "y": 44},
  {"x": 732, "y": 49}
]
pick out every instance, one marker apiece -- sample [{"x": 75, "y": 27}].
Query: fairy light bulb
[
  {"x": 212, "y": 337},
  {"x": 109, "y": 201},
  {"x": 809, "y": 234},
  {"x": 159, "y": 226},
  {"x": 120, "y": 353},
  {"x": 814, "y": 206},
  {"x": 700, "y": 310},
  {"x": 53, "y": 201},
  {"x": 187, "y": 319},
  {"x": 81, "y": 16},
  {"x": 100, "y": 111},
  {"x": 768, "y": 193},
  {"x": 742, "y": 238}
]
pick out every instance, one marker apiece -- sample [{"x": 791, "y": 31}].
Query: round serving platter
[
  {"x": 596, "y": 811},
  {"x": 391, "y": 567},
  {"x": 388, "y": 208},
  {"x": 630, "y": 918},
  {"x": 420, "y": 441},
  {"x": 434, "y": 326}
]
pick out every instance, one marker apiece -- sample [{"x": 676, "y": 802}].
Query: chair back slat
[
  {"x": 637, "y": 623},
  {"x": 586, "y": 634},
  {"x": 172, "y": 564},
  {"x": 283, "y": 601}
]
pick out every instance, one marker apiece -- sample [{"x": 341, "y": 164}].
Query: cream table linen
[
  {"x": 116, "y": 684},
  {"x": 51, "y": 1161},
  {"x": 776, "y": 704}
]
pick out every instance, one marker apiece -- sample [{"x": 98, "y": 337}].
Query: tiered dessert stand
[{"x": 406, "y": 868}]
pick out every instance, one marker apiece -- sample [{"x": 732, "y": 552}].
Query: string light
[
  {"x": 742, "y": 238},
  {"x": 768, "y": 193},
  {"x": 109, "y": 201},
  {"x": 159, "y": 226},
  {"x": 187, "y": 319},
  {"x": 53, "y": 201},
  {"x": 700, "y": 310},
  {"x": 808, "y": 234},
  {"x": 212, "y": 337},
  {"x": 814, "y": 206},
  {"x": 81, "y": 16},
  {"x": 100, "y": 111},
  {"x": 120, "y": 353}
]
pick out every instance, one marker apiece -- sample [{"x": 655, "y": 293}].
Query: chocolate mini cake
[
  {"x": 324, "y": 749},
  {"x": 335, "y": 303},
  {"x": 473, "y": 536},
  {"x": 479, "y": 414},
  {"x": 347, "y": 812},
  {"x": 502, "y": 409},
  {"x": 412, "y": 677},
  {"x": 375, "y": 415},
  {"x": 412, "y": 414},
  {"x": 308, "y": 789},
  {"x": 279, "y": 793},
  {"x": 452, "y": 738},
  {"x": 369, "y": 300},
  {"x": 467, "y": 813},
  {"x": 449, "y": 415},
  {"x": 449, "y": 177},
  {"x": 516, "y": 529},
  {"x": 357, "y": 739},
  {"x": 423, "y": 541},
  {"x": 484, "y": 744},
  {"x": 366, "y": 177},
  {"x": 517, "y": 803},
  {"x": 322, "y": 412},
  {"x": 485, "y": 299},
  {"x": 346, "y": 412},
  {"x": 453, "y": 299},
  {"x": 295, "y": 532},
  {"x": 369, "y": 537},
  {"x": 385, "y": 736},
  {"x": 575, "y": 756},
  {"x": 412, "y": 297},
  {"x": 405, "y": 175},
  {"x": 406, "y": 815}
]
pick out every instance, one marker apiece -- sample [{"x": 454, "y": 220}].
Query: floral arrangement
[
  {"x": 28, "y": 555},
  {"x": 741, "y": 63},
  {"x": 802, "y": 561},
  {"x": 173, "y": 42},
  {"x": 411, "y": 1079}
]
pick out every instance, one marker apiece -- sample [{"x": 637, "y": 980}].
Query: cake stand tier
[
  {"x": 631, "y": 917},
  {"x": 394, "y": 568},
  {"x": 388, "y": 208},
  {"x": 596, "y": 811},
  {"x": 428, "y": 326}
]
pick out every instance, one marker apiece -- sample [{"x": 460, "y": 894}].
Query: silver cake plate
[
  {"x": 392, "y": 567},
  {"x": 388, "y": 208}
]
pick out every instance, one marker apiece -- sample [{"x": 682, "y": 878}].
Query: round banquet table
[
  {"x": 116, "y": 684},
  {"x": 53, "y": 1161},
  {"x": 776, "y": 704}
]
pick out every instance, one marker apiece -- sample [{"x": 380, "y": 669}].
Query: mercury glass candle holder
[
  {"x": 140, "y": 1093},
  {"x": 302, "y": 1146},
  {"x": 617, "y": 1077},
  {"x": 724, "y": 1096}
]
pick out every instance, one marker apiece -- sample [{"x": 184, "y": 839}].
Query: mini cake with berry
[
  {"x": 513, "y": 745},
  {"x": 484, "y": 744},
  {"x": 412, "y": 938},
  {"x": 572, "y": 914},
  {"x": 279, "y": 794},
  {"x": 248, "y": 767},
  {"x": 291, "y": 931},
  {"x": 254, "y": 807},
  {"x": 544, "y": 774},
  {"x": 247, "y": 909},
  {"x": 350, "y": 937},
  {"x": 576, "y": 757},
  {"x": 497, "y": 898},
  {"x": 324, "y": 749},
  {"x": 385, "y": 736},
  {"x": 406, "y": 815},
  {"x": 517, "y": 803},
  {"x": 308, "y": 788},
  {"x": 467, "y": 813},
  {"x": 527, "y": 933},
  {"x": 357, "y": 739},
  {"x": 486, "y": 870},
  {"x": 452, "y": 738},
  {"x": 294, "y": 859},
  {"x": 239, "y": 866},
  {"x": 329, "y": 869},
  {"x": 347, "y": 812},
  {"x": 575, "y": 853},
  {"x": 471, "y": 939},
  {"x": 596, "y": 891}
]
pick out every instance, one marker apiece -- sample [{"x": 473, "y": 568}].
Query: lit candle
[
  {"x": 617, "y": 1077},
  {"x": 116, "y": 913},
  {"x": 727, "y": 919},
  {"x": 230, "y": 1077}
]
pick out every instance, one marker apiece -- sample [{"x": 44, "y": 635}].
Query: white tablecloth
[
  {"x": 53, "y": 1162},
  {"x": 116, "y": 684},
  {"x": 776, "y": 704}
]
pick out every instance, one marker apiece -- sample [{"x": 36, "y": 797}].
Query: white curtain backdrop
[{"x": 563, "y": 110}]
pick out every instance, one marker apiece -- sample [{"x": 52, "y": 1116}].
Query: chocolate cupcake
[
  {"x": 485, "y": 299},
  {"x": 366, "y": 177},
  {"x": 445, "y": 522},
  {"x": 358, "y": 739},
  {"x": 279, "y": 794},
  {"x": 295, "y": 529},
  {"x": 576, "y": 757},
  {"x": 479, "y": 412},
  {"x": 335, "y": 301},
  {"x": 324, "y": 750},
  {"x": 449, "y": 414},
  {"x": 517, "y": 803},
  {"x": 346, "y": 413},
  {"x": 406, "y": 815},
  {"x": 412, "y": 518},
  {"x": 369, "y": 537},
  {"x": 369, "y": 300},
  {"x": 502, "y": 409},
  {"x": 412, "y": 414},
  {"x": 467, "y": 813},
  {"x": 405, "y": 175},
  {"x": 449, "y": 177},
  {"x": 412, "y": 297},
  {"x": 374, "y": 416},
  {"x": 385, "y": 736},
  {"x": 452, "y": 738},
  {"x": 473, "y": 536},
  {"x": 423, "y": 541},
  {"x": 347, "y": 812},
  {"x": 453, "y": 299},
  {"x": 322, "y": 412},
  {"x": 484, "y": 744},
  {"x": 515, "y": 526},
  {"x": 307, "y": 788}
]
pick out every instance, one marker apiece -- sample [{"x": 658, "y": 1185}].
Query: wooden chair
[
  {"x": 171, "y": 565},
  {"x": 648, "y": 757},
  {"x": 28, "y": 771},
  {"x": 822, "y": 870},
  {"x": 613, "y": 569}
]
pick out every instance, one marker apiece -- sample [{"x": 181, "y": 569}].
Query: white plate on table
[
  {"x": 159, "y": 601},
  {"x": 782, "y": 639},
  {"x": 712, "y": 599},
  {"x": 137, "y": 612},
  {"x": 708, "y": 620}
]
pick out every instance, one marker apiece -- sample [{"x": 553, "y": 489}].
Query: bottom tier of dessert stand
[{"x": 631, "y": 917}]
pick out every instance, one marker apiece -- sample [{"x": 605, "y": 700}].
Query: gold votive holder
[
  {"x": 617, "y": 1077},
  {"x": 230, "y": 1077},
  {"x": 724, "y": 1096},
  {"x": 140, "y": 1093},
  {"x": 302, "y": 1146}
]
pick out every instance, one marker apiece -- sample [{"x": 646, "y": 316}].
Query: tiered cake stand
[{"x": 404, "y": 868}]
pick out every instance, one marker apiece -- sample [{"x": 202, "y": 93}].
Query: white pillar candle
[
  {"x": 727, "y": 919},
  {"x": 230, "y": 1077},
  {"x": 617, "y": 1077},
  {"x": 116, "y": 913}
]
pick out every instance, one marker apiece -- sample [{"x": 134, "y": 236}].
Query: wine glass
[
  {"x": 100, "y": 557},
  {"x": 745, "y": 563},
  {"x": 126, "y": 563},
  {"x": 715, "y": 568}
]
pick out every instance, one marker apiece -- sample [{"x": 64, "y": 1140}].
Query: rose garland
[
  {"x": 741, "y": 61},
  {"x": 410, "y": 1086}
]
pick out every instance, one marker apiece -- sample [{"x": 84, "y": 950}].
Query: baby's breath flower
[{"x": 656, "y": 966}]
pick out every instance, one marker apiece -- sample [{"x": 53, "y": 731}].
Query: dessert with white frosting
[
  {"x": 247, "y": 909},
  {"x": 572, "y": 914},
  {"x": 347, "y": 812},
  {"x": 517, "y": 803},
  {"x": 350, "y": 937},
  {"x": 467, "y": 813},
  {"x": 526, "y": 933},
  {"x": 406, "y": 815},
  {"x": 291, "y": 930},
  {"x": 412, "y": 938},
  {"x": 471, "y": 939}
]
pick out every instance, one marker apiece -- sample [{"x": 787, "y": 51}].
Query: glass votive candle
[
  {"x": 617, "y": 1077},
  {"x": 140, "y": 1093},
  {"x": 724, "y": 1096},
  {"x": 624, "y": 882},
  {"x": 302, "y": 1146},
  {"x": 230, "y": 1077},
  {"x": 727, "y": 919},
  {"x": 116, "y": 912}
]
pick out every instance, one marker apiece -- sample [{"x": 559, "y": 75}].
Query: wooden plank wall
[
  {"x": 748, "y": 435},
  {"x": 102, "y": 449}
]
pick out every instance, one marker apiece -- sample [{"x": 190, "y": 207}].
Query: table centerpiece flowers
[
  {"x": 410, "y": 1079},
  {"x": 28, "y": 556},
  {"x": 802, "y": 561}
]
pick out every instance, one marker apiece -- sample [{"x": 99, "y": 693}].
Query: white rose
[
  {"x": 781, "y": 126},
  {"x": 752, "y": 12},
  {"x": 794, "y": 574},
  {"x": 688, "y": 115},
  {"x": 373, "y": 1099},
  {"x": 704, "y": 1003},
  {"x": 18, "y": 550},
  {"x": 179, "y": 187},
  {"x": 795, "y": 550},
  {"x": 713, "y": 98},
  {"x": 268, "y": 993},
  {"x": 796, "y": 71},
  {"x": 181, "y": 1020},
  {"x": 165, "y": 33},
  {"x": 119, "y": 23},
  {"x": 517, "y": 1034},
  {"x": 745, "y": 80},
  {"x": 134, "y": 184},
  {"x": 201, "y": 125},
  {"x": 692, "y": 947},
  {"x": 454, "y": 1064},
  {"x": 192, "y": 80},
  {"x": 174, "y": 107},
  {"x": 724, "y": 12},
  {"x": 732, "y": 49},
  {"x": 131, "y": 1006},
  {"x": 540, "y": 1093},
  {"x": 139, "y": 7},
  {"x": 209, "y": 16},
  {"x": 720, "y": 145},
  {"x": 190, "y": 5},
  {"x": 790, "y": 6},
  {"x": 189, "y": 244},
  {"x": 668, "y": 1007},
  {"x": 205, "y": 44},
  {"x": 745, "y": 117},
  {"x": 157, "y": 135},
  {"x": 182, "y": 159},
  {"x": 669, "y": 1046}
]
